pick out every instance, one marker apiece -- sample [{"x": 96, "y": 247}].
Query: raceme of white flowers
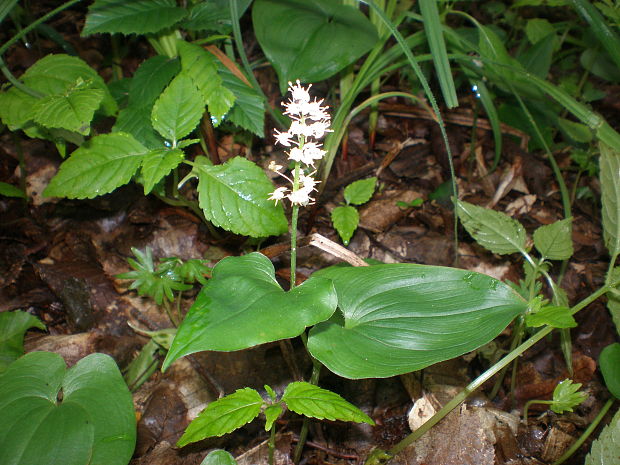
[{"x": 310, "y": 123}]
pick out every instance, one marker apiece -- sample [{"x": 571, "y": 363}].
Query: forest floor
[{"x": 59, "y": 259}]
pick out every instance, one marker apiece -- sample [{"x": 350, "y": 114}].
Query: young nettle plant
[{"x": 346, "y": 217}]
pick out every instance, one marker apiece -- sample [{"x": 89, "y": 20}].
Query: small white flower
[
  {"x": 283, "y": 138},
  {"x": 312, "y": 152},
  {"x": 299, "y": 128},
  {"x": 300, "y": 197},
  {"x": 278, "y": 194},
  {"x": 318, "y": 129},
  {"x": 273, "y": 166},
  {"x": 307, "y": 183},
  {"x": 299, "y": 93},
  {"x": 315, "y": 111},
  {"x": 296, "y": 154}
]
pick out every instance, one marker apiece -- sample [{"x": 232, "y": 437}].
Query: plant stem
[
  {"x": 272, "y": 443},
  {"x": 480, "y": 380},
  {"x": 586, "y": 434},
  {"x": 303, "y": 434}
]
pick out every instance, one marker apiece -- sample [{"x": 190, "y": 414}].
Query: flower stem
[
  {"x": 294, "y": 218},
  {"x": 272, "y": 442},
  {"x": 303, "y": 434}
]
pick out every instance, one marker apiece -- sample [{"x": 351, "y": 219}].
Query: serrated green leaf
[
  {"x": 213, "y": 15},
  {"x": 13, "y": 326},
  {"x": 134, "y": 17},
  {"x": 72, "y": 111},
  {"x": 312, "y": 401},
  {"x": 361, "y": 191},
  {"x": 248, "y": 112},
  {"x": 270, "y": 392},
  {"x": 400, "y": 318},
  {"x": 491, "y": 229},
  {"x": 38, "y": 428},
  {"x": 554, "y": 241},
  {"x": 243, "y": 305},
  {"x": 98, "y": 167},
  {"x": 194, "y": 270},
  {"x": 136, "y": 120},
  {"x": 55, "y": 74},
  {"x": 271, "y": 415},
  {"x": 234, "y": 196},
  {"x": 609, "y": 361},
  {"x": 610, "y": 197},
  {"x": 223, "y": 416},
  {"x": 557, "y": 317},
  {"x": 157, "y": 164},
  {"x": 294, "y": 33},
  {"x": 345, "y": 219},
  {"x": 219, "y": 457},
  {"x": 9, "y": 190},
  {"x": 16, "y": 108},
  {"x": 151, "y": 78},
  {"x": 565, "y": 396},
  {"x": 201, "y": 67},
  {"x": 178, "y": 110},
  {"x": 605, "y": 449}
]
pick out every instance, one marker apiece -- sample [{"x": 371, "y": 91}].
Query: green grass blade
[
  {"x": 605, "y": 35},
  {"x": 492, "y": 116},
  {"x": 433, "y": 28}
]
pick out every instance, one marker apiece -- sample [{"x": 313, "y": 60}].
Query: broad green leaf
[
  {"x": 157, "y": 164},
  {"x": 610, "y": 197},
  {"x": 604, "y": 450},
  {"x": 248, "y": 112},
  {"x": 151, "y": 78},
  {"x": 271, "y": 415},
  {"x": 538, "y": 58},
  {"x": 557, "y": 317},
  {"x": 16, "y": 108},
  {"x": 311, "y": 40},
  {"x": 537, "y": 29},
  {"x": 609, "y": 361},
  {"x": 400, "y": 318},
  {"x": 345, "y": 219},
  {"x": 73, "y": 110},
  {"x": 136, "y": 120},
  {"x": 201, "y": 67},
  {"x": 178, "y": 110},
  {"x": 93, "y": 424},
  {"x": 491, "y": 229},
  {"x": 554, "y": 241},
  {"x": 576, "y": 131},
  {"x": 223, "y": 416},
  {"x": 312, "y": 401},
  {"x": 360, "y": 192},
  {"x": 9, "y": 190},
  {"x": 234, "y": 196},
  {"x": 98, "y": 167},
  {"x": 242, "y": 306},
  {"x": 218, "y": 456},
  {"x": 213, "y": 15},
  {"x": 566, "y": 396},
  {"x": 55, "y": 74},
  {"x": 133, "y": 17},
  {"x": 13, "y": 326}
]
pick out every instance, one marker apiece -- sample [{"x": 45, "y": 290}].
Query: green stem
[
  {"x": 586, "y": 434},
  {"x": 480, "y": 380},
  {"x": 303, "y": 434},
  {"x": 272, "y": 442},
  {"x": 294, "y": 220}
]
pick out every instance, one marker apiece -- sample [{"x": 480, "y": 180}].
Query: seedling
[{"x": 346, "y": 217}]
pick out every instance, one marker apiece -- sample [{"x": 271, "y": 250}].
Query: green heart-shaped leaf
[
  {"x": 403, "y": 317},
  {"x": 242, "y": 306},
  {"x": 82, "y": 416},
  {"x": 311, "y": 40}
]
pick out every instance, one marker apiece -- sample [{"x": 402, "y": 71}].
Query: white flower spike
[{"x": 310, "y": 122}]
